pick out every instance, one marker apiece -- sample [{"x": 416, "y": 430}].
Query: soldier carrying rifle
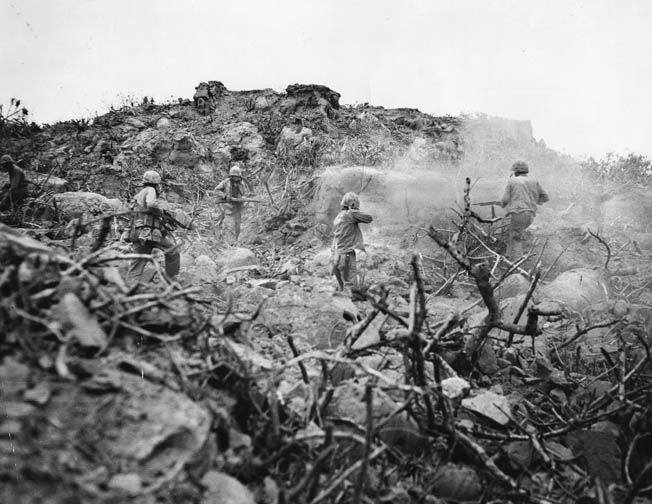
[
  {"x": 152, "y": 228},
  {"x": 232, "y": 190}
]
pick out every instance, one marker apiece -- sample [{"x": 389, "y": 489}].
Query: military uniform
[
  {"x": 148, "y": 233},
  {"x": 347, "y": 237},
  {"x": 520, "y": 200},
  {"x": 233, "y": 187},
  {"x": 14, "y": 192}
]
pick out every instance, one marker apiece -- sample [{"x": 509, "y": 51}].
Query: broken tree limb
[
  {"x": 526, "y": 300},
  {"x": 606, "y": 245}
]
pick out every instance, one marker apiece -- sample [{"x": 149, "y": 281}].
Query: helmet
[
  {"x": 235, "y": 171},
  {"x": 151, "y": 177},
  {"x": 6, "y": 158},
  {"x": 520, "y": 167},
  {"x": 351, "y": 200}
]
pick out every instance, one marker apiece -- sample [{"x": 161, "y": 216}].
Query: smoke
[{"x": 426, "y": 183}]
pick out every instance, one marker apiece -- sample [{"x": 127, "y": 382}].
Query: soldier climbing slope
[
  {"x": 149, "y": 229},
  {"x": 232, "y": 190},
  {"x": 347, "y": 237},
  {"x": 521, "y": 197},
  {"x": 13, "y": 193}
]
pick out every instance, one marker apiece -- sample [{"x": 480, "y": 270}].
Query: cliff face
[
  {"x": 303, "y": 149},
  {"x": 306, "y": 126}
]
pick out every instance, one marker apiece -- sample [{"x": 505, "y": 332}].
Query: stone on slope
[
  {"x": 236, "y": 258},
  {"x": 205, "y": 268},
  {"x": 577, "y": 289},
  {"x": 318, "y": 318},
  {"x": 81, "y": 203},
  {"x": 489, "y": 405},
  {"x": 224, "y": 489}
]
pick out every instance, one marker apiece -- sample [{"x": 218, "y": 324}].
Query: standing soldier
[
  {"x": 347, "y": 237},
  {"x": 15, "y": 191},
  {"x": 232, "y": 190},
  {"x": 149, "y": 232},
  {"x": 522, "y": 195}
]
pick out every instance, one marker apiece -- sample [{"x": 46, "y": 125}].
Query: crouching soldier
[
  {"x": 149, "y": 231},
  {"x": 13, "y": 193},
  {"x": 520, "y": 200},
  {"x": 347, "y": 237}
]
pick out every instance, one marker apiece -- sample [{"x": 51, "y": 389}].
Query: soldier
[
  {"x": 347, "y": 237},
  {"x": 15, "y": 191},
  {"x": 149, "y": 231},
  {"x": 231, "y": 190},
  {"x": 522, "y": 195}
]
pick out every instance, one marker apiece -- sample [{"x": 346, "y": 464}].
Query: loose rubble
[{"x": 249, "y": 379}]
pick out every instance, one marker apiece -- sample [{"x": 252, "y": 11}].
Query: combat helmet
[
  {"x": 7, "y": 159},
  {"x": 520, "y": 167},
  {"x": 235, "y": 171},
  {"x": 351, "y": 200},
  {"x": 151, "y": 177}
]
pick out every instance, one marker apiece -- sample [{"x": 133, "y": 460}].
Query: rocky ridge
[{"x": 250, "y": 381}]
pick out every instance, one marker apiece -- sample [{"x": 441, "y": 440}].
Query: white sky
[{"x": 580, "y": 70}]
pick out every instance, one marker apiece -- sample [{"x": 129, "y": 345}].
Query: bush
[
  {"x": 633, "y": 168},
  {"x": 13, "y": 122}
]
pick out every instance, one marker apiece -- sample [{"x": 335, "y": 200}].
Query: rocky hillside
[{"x": 455, "y": 377}]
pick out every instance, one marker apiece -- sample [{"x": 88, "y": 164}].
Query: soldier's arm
[
  {"x": 504, "y": 201},
  {"x": 221, "y": 189},
  {"x": 362, "y": 217},
  {"x": 150, "y": 198},
  {"x": 16, "y": 179},
  {"x": 543, "y": 195},
  {"x": 248, "y": 186}
]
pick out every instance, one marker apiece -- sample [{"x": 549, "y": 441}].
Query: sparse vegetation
[{"x": 623, "y": 169}]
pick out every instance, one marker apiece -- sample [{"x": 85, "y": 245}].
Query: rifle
[
  {"x": 488, "y": 203},
  {"x": 239, "y": 200},
  {"x": 166, "y": 218}
]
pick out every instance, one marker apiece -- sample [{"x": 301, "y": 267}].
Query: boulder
[
  {"x": 238, "y": 257},
  {"x": 513, "y": 285},
  {"x": 577, "y": 289},
  {"x": 131, "y": 484},
  {"x": 224, "y": 489},
  {"x": 47, "y": 183},
  {"x": 163, "y": 123},
  {"x": 145, "y": 432},
  {"x": 39, "y": 181},
  {"x": 244, "y": 135},
  {"x": 309, "y": 95},
  {"x": 77, "y": 204},
  {"x": 13, "y": 376},
  {"x": 292, "y": 136},
  {"x": 151, "y": 143},
  {"x": 348, "y": 402},
  {"x": 135, "y": 123},
  {"x": 320, "y": 263},
  {"x": 205, "y": 268},
  {"x": 186, "y": 150},
  {"x": 456, "y": 483},
  {"x": 488, "y": 405}
]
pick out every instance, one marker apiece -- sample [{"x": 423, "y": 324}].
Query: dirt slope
[{"x": 250, "y": 380}]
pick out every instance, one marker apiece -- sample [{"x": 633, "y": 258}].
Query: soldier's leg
[
  {"x": 336, "y": 271},
  {"x": 237, "y": 219},
  {"x": 350, "y": 271},
  {"x": 137, "y": 266},
  {"x": 172, "y": 257},
  {"x": 519, "y": 223}
]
